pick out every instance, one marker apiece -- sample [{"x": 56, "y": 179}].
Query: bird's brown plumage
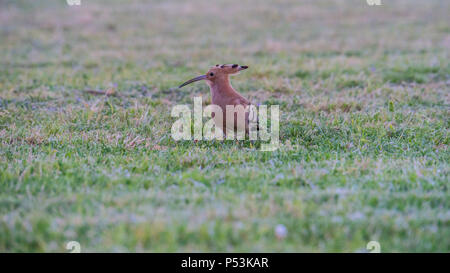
[{"x": 223, "y": 94}]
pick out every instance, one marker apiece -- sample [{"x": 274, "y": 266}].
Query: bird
[{"x": 223, "y": 94}]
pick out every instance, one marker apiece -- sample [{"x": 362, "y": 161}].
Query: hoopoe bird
[{"x": 224, "y": 94}]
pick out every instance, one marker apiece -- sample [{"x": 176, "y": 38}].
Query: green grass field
[{"x": 364, "y": 95}]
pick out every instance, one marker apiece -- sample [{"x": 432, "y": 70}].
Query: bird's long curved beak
[{"x": 199, "y": 78}]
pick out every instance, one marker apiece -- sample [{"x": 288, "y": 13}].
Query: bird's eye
[{"x": 211, "y": 74}]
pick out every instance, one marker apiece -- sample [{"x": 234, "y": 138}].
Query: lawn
[{"x": 364, "y": 96}]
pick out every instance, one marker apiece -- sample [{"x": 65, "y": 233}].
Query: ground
[{"x": 364, "y": 101}]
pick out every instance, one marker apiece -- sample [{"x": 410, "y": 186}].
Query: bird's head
[{"x": 218, "y": 73}]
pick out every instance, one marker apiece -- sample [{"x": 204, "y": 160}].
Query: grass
[{"x": 364, "y": 100}]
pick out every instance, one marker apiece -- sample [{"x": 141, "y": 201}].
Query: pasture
[{"x": 364, "y": 101}]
